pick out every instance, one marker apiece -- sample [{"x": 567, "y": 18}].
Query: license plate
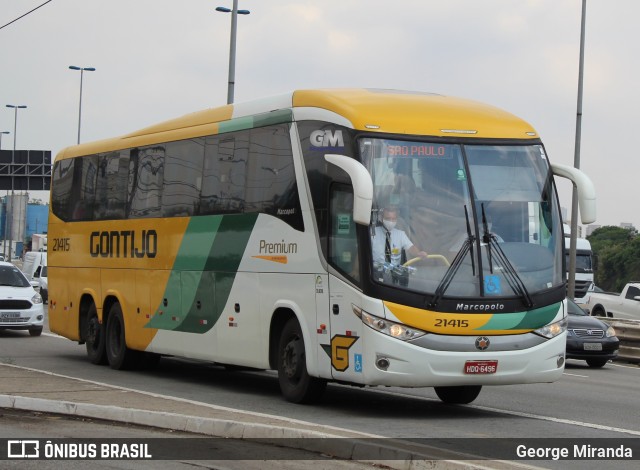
[
  {"x": 480, "y": 367},
  {"x": 9, "y": 314},
  {"x": 593, "y": 346}
]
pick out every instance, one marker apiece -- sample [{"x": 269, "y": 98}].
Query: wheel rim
[{"x": 291, "y": 359}]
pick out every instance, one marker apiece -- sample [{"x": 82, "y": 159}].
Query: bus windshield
[{"x": 463, "y": 220}]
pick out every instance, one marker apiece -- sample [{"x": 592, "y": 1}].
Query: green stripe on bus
[
  {"x": 203, "y": 273},
  {"x": 260, "y": 120},
  {"x": 530, "y": 320}
]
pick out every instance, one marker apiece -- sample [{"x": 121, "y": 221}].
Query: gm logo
[{"x": 327, "y": 139}]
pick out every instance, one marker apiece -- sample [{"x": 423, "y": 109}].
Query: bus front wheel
[
  {"x": 296, "y": 384},
  {"x": 94, "y": 338},
  {"x": 120, "y": 357},
  {"x": 461, "y": 395}
]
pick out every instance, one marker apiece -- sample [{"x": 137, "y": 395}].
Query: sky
[{"x": 160, "y": 59}]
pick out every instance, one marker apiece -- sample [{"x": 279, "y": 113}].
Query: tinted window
[
  {"x": 237, "y": 172},
  {"x": 343, "y": 243},
  {"x": 319, "y": 172},
  {"x": 111, "y": 185},
  {"x": 270, "y": 179},
  {"x": 223, "y": 185},
  {"x": 145, "y": 181},
  {"x": 182, "y": 177},
  {"x": 251, "y": 171},
  {"x": 61, "y": 191}
]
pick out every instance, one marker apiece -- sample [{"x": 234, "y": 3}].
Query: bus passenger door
[
  {"x": 323, "y": 326},
  {"x": 346, "y": 327},
  {"x": 346, "y": 332}
]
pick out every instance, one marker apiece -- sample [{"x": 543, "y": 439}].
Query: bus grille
[
  {"x": 582, "y": 287},
  {"x": 14, "y": 304}
]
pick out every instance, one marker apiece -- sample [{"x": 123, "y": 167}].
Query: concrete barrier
[{"x": 628, "y": 332}]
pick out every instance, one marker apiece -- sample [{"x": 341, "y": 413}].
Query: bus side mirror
[
  {"x": 362, "y": 186},
  {"x": 586, "y": 190}
]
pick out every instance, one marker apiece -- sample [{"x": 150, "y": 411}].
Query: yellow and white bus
[{"x": 244, "y": 235}]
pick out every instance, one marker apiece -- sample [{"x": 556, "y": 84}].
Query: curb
[{"x": 340, "y": 447}]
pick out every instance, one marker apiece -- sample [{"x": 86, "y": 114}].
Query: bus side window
[
  {"x": 111, "y": 185},
  {"x": 343, "y": 243}
]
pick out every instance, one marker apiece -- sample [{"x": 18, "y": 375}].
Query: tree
[{"x": 618, "y": 252}]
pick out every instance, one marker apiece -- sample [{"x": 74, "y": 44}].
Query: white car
[
  {"x": 44, "y": 285},
  {"x": 21, "y": 306}
]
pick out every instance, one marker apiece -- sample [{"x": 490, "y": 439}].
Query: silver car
[{"x": 21, "y": 306}]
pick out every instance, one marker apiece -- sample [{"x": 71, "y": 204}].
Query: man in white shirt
[{"x": 388, "y": 242}]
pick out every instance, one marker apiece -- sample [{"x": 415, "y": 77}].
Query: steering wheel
[{"x": 441, "y": 258}]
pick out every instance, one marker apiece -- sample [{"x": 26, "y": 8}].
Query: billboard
[{"x": 25, "y": 170}]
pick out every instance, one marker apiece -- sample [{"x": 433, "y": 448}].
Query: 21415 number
[
  {"x": 61, "y": 244},
  {"x": 443, "y": 322}
]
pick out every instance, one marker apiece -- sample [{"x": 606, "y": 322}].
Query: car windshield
[
  {"x": 574, "y": 309},
  {"x": 464, "y": 220},
  {"x": 12, "y": 277}
]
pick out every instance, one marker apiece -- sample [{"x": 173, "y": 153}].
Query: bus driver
[{"x": 388, "y": 242}]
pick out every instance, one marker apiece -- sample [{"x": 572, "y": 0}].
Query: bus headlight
[
  {"x": 553, "y": 329},
  {"x": 387, "y": 327}
]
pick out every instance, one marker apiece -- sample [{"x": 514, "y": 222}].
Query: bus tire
[
  {"x": 94, "y": 338},
  {"x": 120, "y": 357},
  {"x": 460, "y": 395},
  {"x": 296, "y": 384}
]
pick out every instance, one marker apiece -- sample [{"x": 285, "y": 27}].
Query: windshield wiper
[
  {"x": 510, "y": 273},
  {"x": 467, "y": 247}
]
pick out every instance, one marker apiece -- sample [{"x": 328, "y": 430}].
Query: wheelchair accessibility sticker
[
  {"x": 357, "y": 362},
  {"x": 492, "y": 285}
]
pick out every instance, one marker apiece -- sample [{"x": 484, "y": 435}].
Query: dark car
[{"x": 590, "y": 339}]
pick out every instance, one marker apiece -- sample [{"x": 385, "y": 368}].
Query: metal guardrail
[{"x": 628, "y": 332}]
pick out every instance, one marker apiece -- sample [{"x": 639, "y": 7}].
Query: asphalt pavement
[{"x": 33, "y": 390}]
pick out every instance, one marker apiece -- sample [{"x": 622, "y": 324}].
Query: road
[
  {"x": 21, "y": 423},
  {"x": 585, "y": 404}
]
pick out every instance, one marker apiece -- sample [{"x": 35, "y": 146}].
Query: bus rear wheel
[
  {"x": 296, "y": 384},
  {"x": 120, "y": 357},
  {"x": 94, "y": 338},
  {"x": 461, "y": 395}
]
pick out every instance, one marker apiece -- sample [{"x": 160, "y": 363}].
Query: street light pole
[
  {"x": 13, "y": 161},
  {"x": 5, "y": 233},
  {"x": 82, "y": 70},
  {"x": 571, "y": 287},
  {"x": 232, "y": 48}
]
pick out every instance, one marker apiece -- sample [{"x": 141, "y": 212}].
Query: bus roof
[{"x": 385, "y": 111}]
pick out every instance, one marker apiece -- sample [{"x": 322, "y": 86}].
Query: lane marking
[
  {"x": 575, "y": 375},
  {"x": 198, "y": 403},
  {"x": 522, "y": 414}
]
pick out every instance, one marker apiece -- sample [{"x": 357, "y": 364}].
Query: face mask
[{"x": 389, "y": 224}]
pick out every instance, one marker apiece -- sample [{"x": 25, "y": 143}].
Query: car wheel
[
  {"x": 94, "y": 338},
  {"x": 296, "y": 384},
  {"x": 597, "y": 362},
  {"x": 120, "y": 357},
  {"x": 35, "y": 331},
  {"x": 461, "y": 395},
  {"x": 598, "y": 311}
]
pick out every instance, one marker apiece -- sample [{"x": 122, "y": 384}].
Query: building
[{"x": 19, "y": 220}]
